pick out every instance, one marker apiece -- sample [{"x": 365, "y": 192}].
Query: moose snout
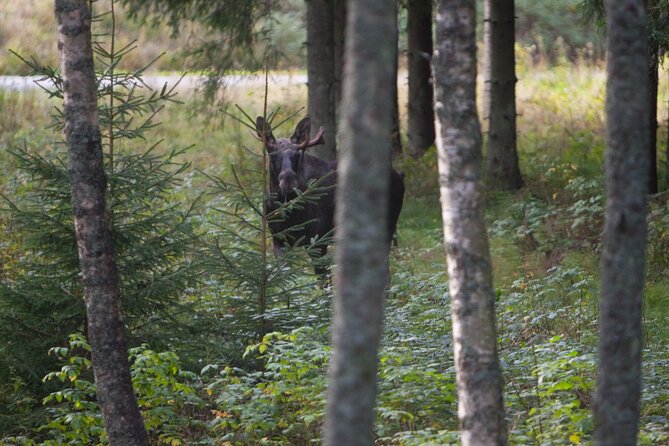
[{"x": 287, "y": 181}]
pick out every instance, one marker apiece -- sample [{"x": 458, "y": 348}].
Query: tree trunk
[
  {"x": 121, "y": 415},
  {"x": 421, "y": 93},
  {"x": 503, "y": 171},
  {"x": 478, "y": 375},
  {"x": 487, "y": 66},
  {"x": 617, "y": 399},
  {"x": 321, "y": 73},
  {"x": 396, "y": 137},
  {"x": 339, "y": 17},
  {"x": 653, "y": 81},
  {"x": 361, "y": 213}
]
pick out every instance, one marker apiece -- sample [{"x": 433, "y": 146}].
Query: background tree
[
  {"x": 322, "y": 73},
  {"x": 339, "y": 17},
  {"x": 362, "y": 205},
  {"x": 123, "y": 421},
  {"x": 658, "y": 46},
  {"x": 395, "y": 134},
  {"x": 479, "y": 379},
  {"x": 617, "y": 402},
  {"x": 653, "y": 83},
  {"x": 325, "y": 42},
  {"x": 420, "y": 110},
  {"x": 502, "y": 171}
]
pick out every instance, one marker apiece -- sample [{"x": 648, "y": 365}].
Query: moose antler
[{"x": 318, "y": 139}]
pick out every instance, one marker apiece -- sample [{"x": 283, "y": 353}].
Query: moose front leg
[
  {"x": 278, "y": 248},
  {"x": 317, "y": 257}
]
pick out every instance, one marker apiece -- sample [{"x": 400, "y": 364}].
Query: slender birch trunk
[{"x": 478, "y": 375}]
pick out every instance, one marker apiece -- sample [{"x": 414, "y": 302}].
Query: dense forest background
[
  {"x": 211, "y": 363},
  {"x": 548, "y": 31}
]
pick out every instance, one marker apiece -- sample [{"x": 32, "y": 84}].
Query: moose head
[{"x": 287, "y": 154}]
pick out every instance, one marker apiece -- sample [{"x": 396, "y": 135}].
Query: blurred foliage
[
  {"x": 554, "y": 31},
  {"x": 658, "y": 18},
  {"x": 220, "y": 36}
]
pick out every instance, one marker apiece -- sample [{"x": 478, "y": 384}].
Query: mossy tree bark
[
  {"x": 503, "y": 171},
  {"x": 122, "y": 417},
  {"x": 617, "y": 399},
  {"x": 361, "y": 213},
  {"x": 478, "y": 375}
]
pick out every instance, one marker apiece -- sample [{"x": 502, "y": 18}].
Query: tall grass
[
  {"x": 29, "y": 28},
  {"x": 561, "y": 116}
]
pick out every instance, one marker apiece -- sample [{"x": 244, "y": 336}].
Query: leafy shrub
[
  {"x": 423, "y": 437},
  {"x": 282, "y": 404},
  {"x": 551, "y": 404},
  {"x": 564, "y": 302},
  {"x": 565, "y": 213},
  {"x": 417, "y": 395},
  {"x": 413, "y": 393},
  {"x": 547, "y": 352},
  {"x": 75, "y": 416},
  {"x": 167, "y": 397}
]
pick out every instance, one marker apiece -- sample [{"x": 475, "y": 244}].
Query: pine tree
[{"x": 41, "y": 298}]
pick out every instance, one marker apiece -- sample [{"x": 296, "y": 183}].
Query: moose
[{"x": 291, "y": 171}]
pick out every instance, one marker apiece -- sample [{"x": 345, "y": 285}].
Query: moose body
[{"x": 291, "y": 172}]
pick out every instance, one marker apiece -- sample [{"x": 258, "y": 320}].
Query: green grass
[{"x": 29, "y": 29}]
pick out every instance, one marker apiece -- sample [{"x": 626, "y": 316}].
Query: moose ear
[
  {"x": 302, "y": 131},
  {"x": 264, "y": 131}
]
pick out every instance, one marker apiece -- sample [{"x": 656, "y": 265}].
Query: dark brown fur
[{"x": 291, "y": 168}]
